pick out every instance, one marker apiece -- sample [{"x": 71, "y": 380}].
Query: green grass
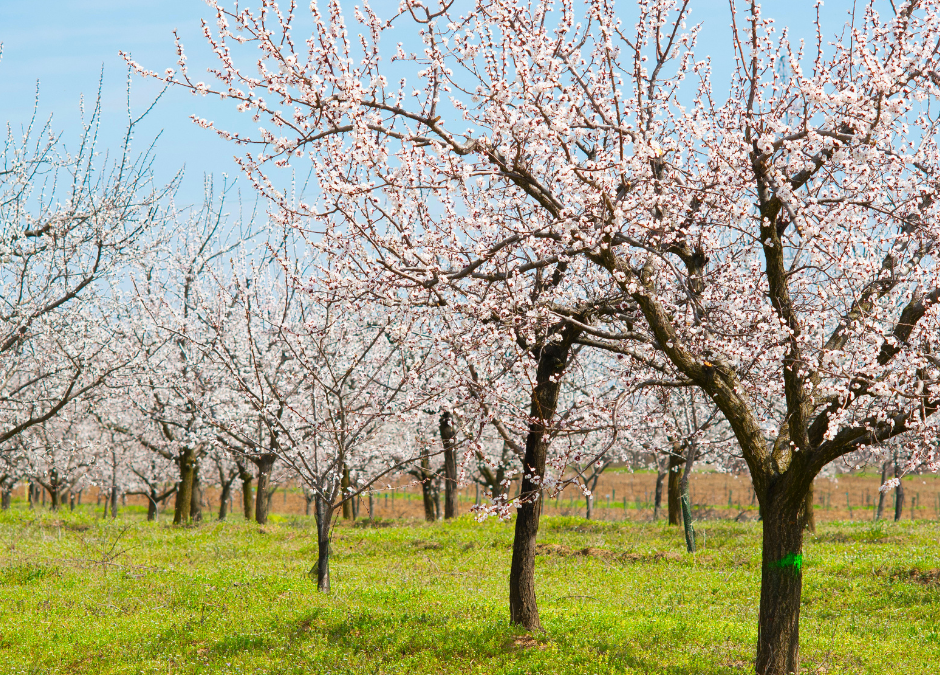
[{"x": 79, "y": 595}]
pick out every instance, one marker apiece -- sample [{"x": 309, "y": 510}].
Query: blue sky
[{"x": 65, "y": 44}]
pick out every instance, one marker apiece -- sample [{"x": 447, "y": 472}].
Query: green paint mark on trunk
[{"x": 794, "y": 560}]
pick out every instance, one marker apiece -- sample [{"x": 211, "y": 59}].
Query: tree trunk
[
  {"x": 809, "y": 511},
  {"x": 6, "y": 497},
  {"x": 686, "y": 503},
  {"x": 675, "y": 506},
  {"x": 226, "y": 494},
  {"x": 54, "y": 497},
  {"x": 589, "y": 503},
  {"x": 427, "y": 489},
  {"x": 247, "y": 500},
  {"x": 323, "y": 513},
  {"x": 898, "y": 491},
  {"x": 345, "y": 483},
  {"x": 265, "y": 464},
  {"x": 778, "y": 630},
  {"x": 523, "y": 607},
  {"x": 184, "y": 495},
  {"x": 448, "y": 436},
  {"x": 658, "y": 498},
  {"x": 880, "y": 512},
  {"x": 151, "y": 506},
  {"x": 195, "y": 504},
  {"x": 114, "y": 501}
]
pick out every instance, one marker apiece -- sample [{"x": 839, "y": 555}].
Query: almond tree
[{"x": 534, "y": 168}]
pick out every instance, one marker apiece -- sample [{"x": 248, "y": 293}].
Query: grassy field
[{"x": 80, "y": 595}]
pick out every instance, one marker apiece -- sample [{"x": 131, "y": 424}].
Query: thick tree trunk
[
  {"x": 248, "y": 506},
  {"x": 674, "y": 498},
  {"x": 778, "y": 631},
  {"x": 345, "y": 483},
  {"x": 322, "y": 569},
  {"x": 658, "y": 497},
  {"x": 523, "y": 608},
  {"x": 184, "y": 495},
  {"x": 809, "y": 510},
  {"x": 6, "y": 497},
  {"x": 265, "y": 464},
  {"x": 880, "y": 511},
  {"x": 898, "y": 491},
  {"x": 448, "y": 439},
  {"x": 54, "y": 497}
]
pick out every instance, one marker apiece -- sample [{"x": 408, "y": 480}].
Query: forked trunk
[
  {"x": 184, "y": 495},
  {"x": 322, "y": 569},
  {"x": 265, "y": 464},
  {"x": 675, "y": 477},
  {"x": 448, "y": 436},
  {"x": 778, "y": 630},
  {"x": 523, "y": 608}
]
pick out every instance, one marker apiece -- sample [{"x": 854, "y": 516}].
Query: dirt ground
[{"x": 624, "y": 495}]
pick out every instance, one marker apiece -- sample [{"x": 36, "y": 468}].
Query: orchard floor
[{"x": 80, "y": 595}]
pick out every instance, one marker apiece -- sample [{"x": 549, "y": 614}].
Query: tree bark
[
  {"x": 809, "y": 510},
  {"x": 778, "y": 630},
  {"x": 6, "y": 497},
  {"x": 151, "y": 506},
  {"x": 448, "y": 439},
  {"x": 898, "y": 491},
  {"x": 226, "y": 494},
  {"x": 427, "y": 489},
  {"x": 265, "y": 464},
  {"x": 114, "y": 501},
  {"x": 184, "y": 496},
  {"x": 673, "y": 497},
  {"x": 658, "y": 497},
  {"x": 523, "y": 607},
  {"x": 322, "y": 568},
  {"x": 247, "y": 500},
  {"x": 345, "y": 483},
  {"x": 880, "y": 512},
  {"x": 589, "y": 503},
  {"x": 195, "y": 503}
]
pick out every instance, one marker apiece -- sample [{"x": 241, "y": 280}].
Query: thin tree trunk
[
  {"x": 898, "y": 491},
  {"x": 345, "y": 483},
  {"x": 184, "y": 495},
  {"x": 114, "y": 501},
  {"x": 778, "y": 631},
  {"x": 523, "y": 607},
  {"x": 448, "y": 436},
  {"x": 323, "y": 513},
  {"x": 880, "y": 512},
  {"x": 658, "y": 497},
  {"x": 265, "y": 464},
  {"x": 674, "y": 499},
  {"x": 589, "y": 503}
]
